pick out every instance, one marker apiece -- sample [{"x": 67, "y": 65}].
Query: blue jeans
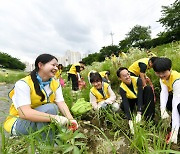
[{"x": 25, "y": 127}]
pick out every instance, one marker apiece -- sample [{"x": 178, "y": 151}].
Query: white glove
[
  {"x": 101, "y": 104},
  {"x": 164, "y": 113},
  {"x": 61, "y": 120},
  {"x": 115, "y": 107},
  {"x": 131, "y": 127},
  {"x": 173, "y": 137},
  {"x": 138, "y": 117}
]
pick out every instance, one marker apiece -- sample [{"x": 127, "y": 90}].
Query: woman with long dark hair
[{"x": 37, "y": 99}]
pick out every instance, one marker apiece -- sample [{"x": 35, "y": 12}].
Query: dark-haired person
[
  {"x": 105, "y": 76},
  {"x": 170, "y": 94},
  {"x": 37, "y": 99},
  {"x": 101, "y": 93},
  {"x": 74, "y": 74},
  {"x": 58, "y": 75},
  {"x": 139, "y": 67},
  {"x": 133, "y": 94}
]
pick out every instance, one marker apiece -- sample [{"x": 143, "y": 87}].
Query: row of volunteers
[
  {"x": 136, "y": 89},
  {"x": 37, "y": 98}
]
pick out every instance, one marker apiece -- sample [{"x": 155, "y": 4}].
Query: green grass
[{"x": 11, "y": 76}]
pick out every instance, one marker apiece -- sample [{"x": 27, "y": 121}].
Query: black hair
[
  {"x": 108, "y": 72},
  {"x": 119, "y": 71},
  {"x": 43, "y": 58},
  {"x": 95, "y": 77},
  {"x": 153, "y": 59},
  {"x": 162, "y": 64},
  {"x": 60, "y": 65},
  {"x": 82, "y": 62}
]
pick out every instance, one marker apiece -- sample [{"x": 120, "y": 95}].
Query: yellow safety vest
[
  {"x": 58, "y": 74},
  {"x": 129, "y": 93},
  {"x": 73, "y": 69},
  {"x": 35, "y": 101},
  {"x": 98, "y": 95},
  {"x": 103, "y": 74},
  {"x": 134, "y": 68},
  {"x": 173, "y": 77}
]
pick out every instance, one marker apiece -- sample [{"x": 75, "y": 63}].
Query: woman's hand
[{"x": 73, "y": 125}]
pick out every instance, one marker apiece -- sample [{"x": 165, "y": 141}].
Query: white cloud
[{"x": 31, "y": 27}]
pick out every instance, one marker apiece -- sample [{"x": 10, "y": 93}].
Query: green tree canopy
[
  {"x": 136, "y": 35},
  {"x": 10, "y": 62},
  {"x": 171, "y": 16}
]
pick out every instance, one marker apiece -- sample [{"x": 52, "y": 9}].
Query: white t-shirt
[
  {"x": 21, "y": 95},
  {"x": 176, "y": 100}
]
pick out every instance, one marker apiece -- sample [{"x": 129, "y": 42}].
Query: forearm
[
  {"x": 142, "y": 76},
  {"x": 27, "y": 113},
  {"x": 64, "y": 110}
]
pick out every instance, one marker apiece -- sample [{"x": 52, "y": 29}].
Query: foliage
[
  {"x": 171, "y": 16},
  {"x": 9, "y": 62},
  {"x": 136, "y": 35}
]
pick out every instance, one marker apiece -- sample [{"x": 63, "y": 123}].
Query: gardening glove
[
  {"x": 172, "y": 137},
  {"x": 131, "y": 127},
  {"x": 102, "y": 105},
  {"x": 115, "y": 107},
  {"x": 164, "y": 113},
  {"x": 61, "y": 120},
  {"x": 138, "y": 117}
]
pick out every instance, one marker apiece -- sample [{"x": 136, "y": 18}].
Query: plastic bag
[{"x": 81, "y": 107}]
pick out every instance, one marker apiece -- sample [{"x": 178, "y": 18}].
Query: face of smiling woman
[
  {"x": 48, "y": 70},
  {"x": 97, "y": 84},
  {"x": 125, "y": 77}
]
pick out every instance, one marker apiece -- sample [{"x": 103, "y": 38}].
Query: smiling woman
[{"x": 37, "y": 98}]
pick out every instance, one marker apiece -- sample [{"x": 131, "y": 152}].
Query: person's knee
[{"x": 178, "y": 107}]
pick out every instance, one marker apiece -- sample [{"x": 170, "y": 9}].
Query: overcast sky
[{"x": 31, "y": 27}]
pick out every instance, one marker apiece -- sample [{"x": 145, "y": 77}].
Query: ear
[{"x": 40, "y": 65}]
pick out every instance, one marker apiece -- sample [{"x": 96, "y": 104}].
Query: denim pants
[{"x": 25, "y": 127}]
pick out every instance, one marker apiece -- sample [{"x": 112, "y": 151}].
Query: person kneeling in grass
[
  {"x": 170, "y": 94},
  {"x": 37, "y": 99},
  {"x": 133, "y": 93},
  {"x": 101, "y": 93}
]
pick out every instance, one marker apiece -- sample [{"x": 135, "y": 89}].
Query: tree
[
  {"x": 139, "y": 34},
  {"x": 171, "y": 16},
  {"x": 10, "y": 62}
]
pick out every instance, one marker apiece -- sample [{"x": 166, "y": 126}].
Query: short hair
[
  {"x": 153, "y": 59},
  {"x": 120, "y": 69},
  {"x": 162, "y": 64},
  {"x": 108, "y": 72},
  {"x": 95, "y": 77},
  {"x": 82, "y": 62}
]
